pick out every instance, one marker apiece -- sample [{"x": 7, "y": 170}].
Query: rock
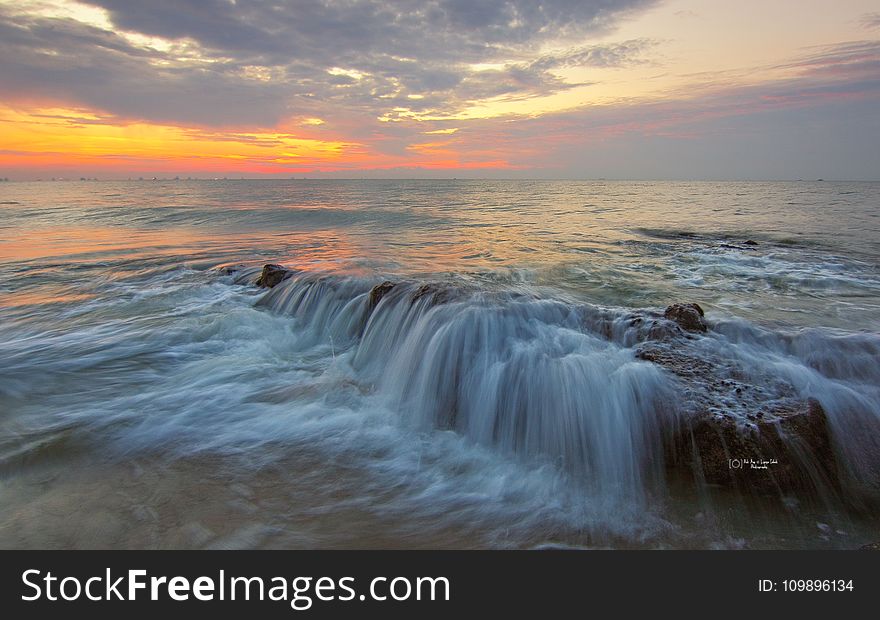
[
  {"x": 750, "y": 242},
  {"x": 680, "y": 363},
  {"x": 745, "y": 246},
  {"x": 228, "y": 270},
  {"x": 635, "y": 327},
  {"x": 874, "y": 546},
  {"x": 658, "y": 329},
  {"x": 438, "y": 294},
  {"x": 378, "y": 292},
  {"x": 688, "y": 316},
  {"x": 722, "y": 416},
  {"x": 273, "y": 275},
  {"x": 789, "y": 450}
]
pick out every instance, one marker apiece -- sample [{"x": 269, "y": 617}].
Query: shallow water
[{"x": 149, "y": 400}]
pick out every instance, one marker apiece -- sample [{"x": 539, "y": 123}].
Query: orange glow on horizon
[{"x": 78, "y": 140}]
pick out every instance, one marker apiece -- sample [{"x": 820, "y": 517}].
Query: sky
[{"x": 631, "y": 89}]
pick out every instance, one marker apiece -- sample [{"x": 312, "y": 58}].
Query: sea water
[{"x": 150, "y": 398}]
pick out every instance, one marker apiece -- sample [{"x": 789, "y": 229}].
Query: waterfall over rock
[{"x": 618, "y": 399}]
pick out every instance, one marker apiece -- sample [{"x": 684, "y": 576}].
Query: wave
[{"x": 615, "y": 397}]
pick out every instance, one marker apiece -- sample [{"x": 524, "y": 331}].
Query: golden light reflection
[
  {"x": 318, "y": 250},
  {"x": 51, "y": 242},
  {"x": 40, "y": 297}
]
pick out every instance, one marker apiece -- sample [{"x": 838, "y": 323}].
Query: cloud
[
  {"x": 457, "y": 30},
  {"x": 845, "y": 60},
  {"x": 871, "y": 20},
  {"x": 262, "y": 73},
  {"x": 622, "y": 54},
  {"x": 257, "y": 62},
  {"x": 821, "y": 113},
  {"x": 67, "y": 61}
]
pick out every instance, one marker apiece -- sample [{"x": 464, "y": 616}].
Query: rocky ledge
[{"x": 758, "y": 439}]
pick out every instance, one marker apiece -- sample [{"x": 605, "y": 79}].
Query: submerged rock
[
  {"x": 679, "y": 362},
  {"x": 378, "y": 292},
  {"x": 228, "y": 270},
  {"x": 437, "y": 293},
  {"x": 272, "y": 275},
  {"x": 744, "y": 246},
  {"x": 688, "y": 316}
]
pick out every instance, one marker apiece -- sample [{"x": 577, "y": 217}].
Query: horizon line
[{"x": 467, "y": 178}]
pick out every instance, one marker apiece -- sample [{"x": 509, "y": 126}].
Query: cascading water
[{"x": 558, "y": 382}]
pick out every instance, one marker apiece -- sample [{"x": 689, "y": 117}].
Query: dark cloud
[
  {"x": 67, "y": 61},
  {"x": 433, "y": 29},
  {"x": 393, "y": 55}
]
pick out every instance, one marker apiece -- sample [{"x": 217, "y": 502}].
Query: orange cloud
[{"x": 74, "y": 140}]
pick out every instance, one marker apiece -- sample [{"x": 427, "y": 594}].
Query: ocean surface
[{"x": 151, "y": 398}]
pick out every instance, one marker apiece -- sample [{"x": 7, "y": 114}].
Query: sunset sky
[{"x": 682, "y": 89}]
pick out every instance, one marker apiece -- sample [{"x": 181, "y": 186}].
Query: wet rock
[
  {"x": 688, "y": 316},
  {"x": 744, "y": 246},
  {"x": 678, "y": 362},
  {"x": 378, "y": 292},
  {"x": 661, "y": 330},
  {"x": 228, "y": 270},
  {"x": 272, "y": 275},
  {"x": 631, "y": 329},
  {"x": 727, "y": 425},
  {"x": 788, "y": 450},
  {"x": 438, "y": 294}
]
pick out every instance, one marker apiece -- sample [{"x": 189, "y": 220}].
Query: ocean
[{"x": 447, "y": 364}]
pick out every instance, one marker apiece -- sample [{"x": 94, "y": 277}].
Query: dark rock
[
  {"x": 378, "y": 292},
  {"x": 661, "y": 330},
  {"x": 273, "y": 275},
  {"x": 688, "y": 316},
  {"x": 228, "y": 270},
  {"x": 677, "y": 362},
  {"x": 750, "y": 242},
  {"x": 747, "y": 245},
  {"x": 438, "y": 294},
  {"x": 637, "y": 326},
  {"x": 424, "y": 289},
  {"x": 788, "y": 450},
  {"x": 724, "y": 417}
]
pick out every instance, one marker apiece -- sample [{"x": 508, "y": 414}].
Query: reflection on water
[
  {"x": 615, "y": 243},
  {"x": 146, "y": 401}
]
